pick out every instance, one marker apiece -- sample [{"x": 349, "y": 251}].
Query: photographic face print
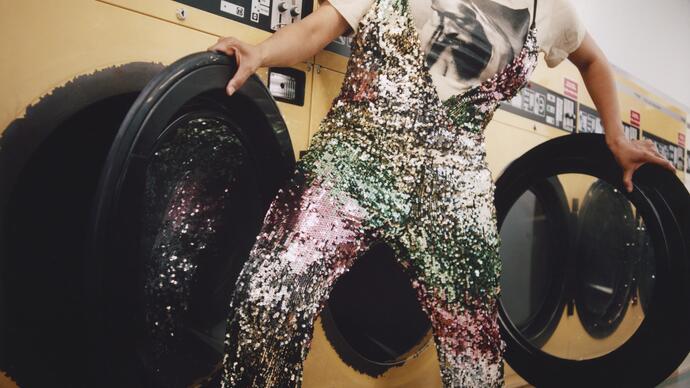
[{"x": 471, "y": 40}]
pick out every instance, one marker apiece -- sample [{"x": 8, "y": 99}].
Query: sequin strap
[{"x": 534, "y": 15}]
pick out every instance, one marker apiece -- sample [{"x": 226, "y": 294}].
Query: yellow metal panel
[
  {"x": 195, "y": 18},
  {"x": 627, "y": 81},
  {"x": 6, "y": 381},
  {"x": 554, "y": 78},
  {"x": 45, "y": 44},
  {"x": 296, "y": 117},
  {"x": 505, "y": 144},
  {"x": 323, "y": 368},
  {"x": 327, "y": 84},
  {"x": 331, "y": 60},
  {"x": 32, "y": 67}
]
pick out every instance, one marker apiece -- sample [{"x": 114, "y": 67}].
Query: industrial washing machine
[{"x": 165, "y": 174}]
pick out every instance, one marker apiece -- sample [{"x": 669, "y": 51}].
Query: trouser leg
[
  {"x": 460, "y": 296},
  {"x": 310, "y": 236},
  {"x": 454, "y": 248}
]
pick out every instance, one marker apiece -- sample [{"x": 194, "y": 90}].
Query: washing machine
[
  {"x": 620, "y": 269},
  {"x": 62, "y": 106},
  {"x": 132, "y": 193}
]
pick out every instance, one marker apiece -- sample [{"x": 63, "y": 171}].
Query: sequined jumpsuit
[{"x": 391, "y": 163}]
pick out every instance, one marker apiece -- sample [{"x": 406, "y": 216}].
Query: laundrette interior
[{"x": 94, "y": 153}]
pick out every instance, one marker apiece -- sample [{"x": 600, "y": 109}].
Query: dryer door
[
  {"x": 609, "y": 304},
  {"x": 181, "y": 198}
]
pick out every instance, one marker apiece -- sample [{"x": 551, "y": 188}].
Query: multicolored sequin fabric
[{"x": 390, "y": 163}]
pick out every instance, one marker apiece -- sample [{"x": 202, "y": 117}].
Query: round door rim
[
  {"x": 166, "y": 85},
  {"x": 151, "y": 113},
  {"x": 659, "y": 345}
]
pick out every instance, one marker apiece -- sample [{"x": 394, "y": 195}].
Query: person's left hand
[{"x": 631, "y": 154}]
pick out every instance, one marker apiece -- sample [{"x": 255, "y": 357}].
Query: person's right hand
[
  {"x": 631, "y": 154},
  {"x": 247, "y": 56}
]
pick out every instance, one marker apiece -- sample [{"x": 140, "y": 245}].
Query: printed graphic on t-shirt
[{"x": 471, "y": 40}]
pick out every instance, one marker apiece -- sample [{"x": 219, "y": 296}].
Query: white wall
[{"x": 650, "y": 39}]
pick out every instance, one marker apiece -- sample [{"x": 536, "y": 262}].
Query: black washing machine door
[
  {"x": 181, "y": 199},
  {"x": 603, "y": 337}
]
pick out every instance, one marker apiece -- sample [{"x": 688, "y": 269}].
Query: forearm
[
  {"x": 300, "y": 41},
  {"x": 601, "y": 85}
]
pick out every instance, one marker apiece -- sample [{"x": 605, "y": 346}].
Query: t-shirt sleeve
[
  {"x": 352, "y": 11},
  {"x": 565, "y": 31}
]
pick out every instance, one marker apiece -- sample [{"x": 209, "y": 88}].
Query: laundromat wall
[{"x": 81, "y": 37}]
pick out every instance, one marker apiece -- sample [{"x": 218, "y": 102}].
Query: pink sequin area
[{"x": 280, "y": 291}]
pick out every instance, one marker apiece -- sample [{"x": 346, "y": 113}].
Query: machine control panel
[
  {"x": 590, "y": 122},
  {"x": 268, "y": 15},
  {"x": 672, "y": 152},
  {"x": 540, "y": 104}
]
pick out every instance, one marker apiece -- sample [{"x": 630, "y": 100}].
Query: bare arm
[
  {"x": 289, "y": 45},
  {"x": 600, "y": 83}
]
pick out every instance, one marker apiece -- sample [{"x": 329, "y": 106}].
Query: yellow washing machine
[
  {"x": 71, "y": 71},
  {"x": 121, "y": 158},
  {"x": 582, "y": 258}
]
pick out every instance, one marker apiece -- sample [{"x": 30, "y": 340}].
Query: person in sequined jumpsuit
[{"x": 391, "y": 162}]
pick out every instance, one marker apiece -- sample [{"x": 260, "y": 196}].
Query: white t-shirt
[{"x": 468, "y": 41}]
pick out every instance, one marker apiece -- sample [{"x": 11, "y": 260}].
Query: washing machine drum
[
  {"x": 184, "y": 189},
  {"x": 606, "y": 254},
  {"x": 373, "y": 319},
  {"x": 595, "y": 280}
]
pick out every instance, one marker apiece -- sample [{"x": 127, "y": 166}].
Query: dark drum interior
[{"x": 44, "y": 229}]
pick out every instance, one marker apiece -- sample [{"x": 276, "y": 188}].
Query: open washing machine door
[
  {"x": 595, "y": 280},
  {"x": 181, "y": 198}
]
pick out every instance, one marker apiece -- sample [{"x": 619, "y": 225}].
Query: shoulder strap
[{"x": 534, "y": 14}]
